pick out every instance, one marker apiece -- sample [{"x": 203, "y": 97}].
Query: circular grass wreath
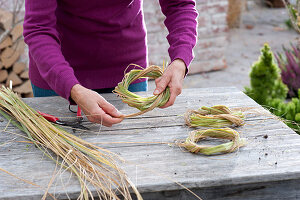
[
  {"x": 226, "y": 133},
  {"x": 216, "y": 116},
  {"x": 144, "y": 104}
]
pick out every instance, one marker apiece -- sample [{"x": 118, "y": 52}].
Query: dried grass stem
[{"x": 94, "y": 166}]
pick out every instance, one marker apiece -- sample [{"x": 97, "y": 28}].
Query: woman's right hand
[{"x": 95, "y": 107}]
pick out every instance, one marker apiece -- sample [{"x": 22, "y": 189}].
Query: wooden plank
[
  {"x": 183, "y": 102},
  {"x": 276, "y": 191},
  {"x": 154, "y": 165}
]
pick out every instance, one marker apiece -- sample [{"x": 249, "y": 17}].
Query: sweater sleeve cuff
[
  {"x": 184, "y": 53},
  {"x": 68, "y": 81},
  {"x": 69, "y": 85}
]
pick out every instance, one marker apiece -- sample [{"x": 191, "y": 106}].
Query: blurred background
[{"x": 230, "y": 35}]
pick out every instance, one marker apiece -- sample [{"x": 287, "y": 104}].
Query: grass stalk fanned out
[
  {"x": 216, "y": 116},
  {"x": 144, "y": 104},
  {"x": 226, "y": 133},
  {"x": 94, "y": 166}
]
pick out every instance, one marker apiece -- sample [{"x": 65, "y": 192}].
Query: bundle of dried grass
[
  {"x": 216, "y": 116},
  {"x": 94, "y": 167},
  {"x": 227, "y": 133},
  {"x": 144, "y": 104}
]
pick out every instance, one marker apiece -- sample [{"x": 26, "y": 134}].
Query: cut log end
[
  {"x": 14, "y": 78},
  {"x": 3, "y": 75},
  {"x": 7, "y": 42},
  {"x": 6, "y": 19},
  {"x": 25, "y": 75},
  {"x": 25, "y": 88},
  {"x": 19, "y": 67},
  {"x": 17, "y": 32}
]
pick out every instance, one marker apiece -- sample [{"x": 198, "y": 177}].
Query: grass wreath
[
  {"x": 226, "y": 133},
  {"x": 216, "y": 116},
  {"x": 144, "y": 104}
]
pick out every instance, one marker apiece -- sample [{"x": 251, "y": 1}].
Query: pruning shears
[{"x": 73, "y": 124}]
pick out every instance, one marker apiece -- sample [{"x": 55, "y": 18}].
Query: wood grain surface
[{"x": 266, "y": 168}]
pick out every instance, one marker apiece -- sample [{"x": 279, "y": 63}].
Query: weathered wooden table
[{"x": 266, "y": 168}]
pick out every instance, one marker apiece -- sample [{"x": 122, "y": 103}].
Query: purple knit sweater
[{"x": 92, "y": 42}]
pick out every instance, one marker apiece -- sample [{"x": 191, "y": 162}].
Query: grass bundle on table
[
  {"x": 216, "y": 116},
  {"x": 226, "y": 133},
  {"x": 144, "y": 104},
  {"x": 94, "y": 167}
]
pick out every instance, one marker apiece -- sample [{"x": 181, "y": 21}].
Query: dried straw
[
  {"x": 226, "y": 133},
  {"x": 94, "y": 166},
  {"x": 144, "y": 104},
  {"x": 216, "y": 116}
]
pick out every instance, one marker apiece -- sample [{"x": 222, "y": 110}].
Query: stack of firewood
[{"x": 12, "y": 46}]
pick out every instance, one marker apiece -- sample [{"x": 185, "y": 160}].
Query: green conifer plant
[
  {"x": 267, "y": 89},
  {"x": 265, "y": 83}
]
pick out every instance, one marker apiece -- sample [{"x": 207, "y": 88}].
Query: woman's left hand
[{"x": 172, "y": 77}]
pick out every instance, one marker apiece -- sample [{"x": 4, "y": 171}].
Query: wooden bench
[{"x": 266, "y": 168}]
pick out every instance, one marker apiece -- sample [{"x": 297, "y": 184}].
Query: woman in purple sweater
[{"x": 78, "y": 46}]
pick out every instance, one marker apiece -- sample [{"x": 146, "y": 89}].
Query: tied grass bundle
[
  {"x": 226, "y": 133},
  {"x": 216, "y": 116},
  {"x": 94, "y": 166},
  {"x": 144, "y": 104}
]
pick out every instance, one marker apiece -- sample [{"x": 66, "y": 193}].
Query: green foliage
[
  {"x": 265, "y": 83},
  {"x": 289, "y": 111},
  {"x": 293, "y": 11},
  {"x": 288, "y": 24},
  {"x": 268, "y": 89}
]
